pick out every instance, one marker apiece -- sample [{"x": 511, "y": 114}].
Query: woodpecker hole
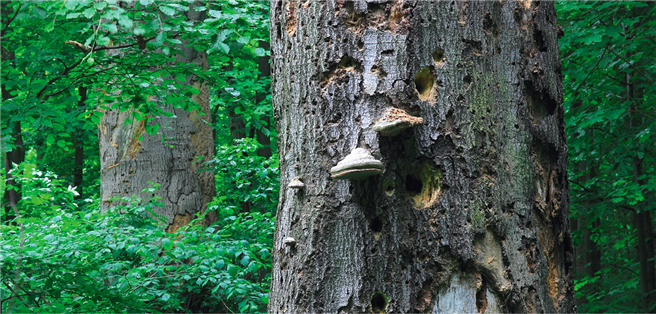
[
  {"x": 379, "y": 302},
  {"x": 376, "y": 225},
  {"x": 424, "y": 83},
  {"x": 438, "y": 56}
]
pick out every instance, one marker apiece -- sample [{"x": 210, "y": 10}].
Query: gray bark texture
[
  {"x": 169, "y": 158},
  {"x": 470, "y": 213}
]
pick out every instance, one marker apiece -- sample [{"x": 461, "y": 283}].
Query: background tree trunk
[
  {"x": 78, "y": 168},
  {"x": 470, "y": 212},
  {"x": 168, "y": 158},
  {"x": 265, "y": 71},
  {"x": 16, "y": 155}
]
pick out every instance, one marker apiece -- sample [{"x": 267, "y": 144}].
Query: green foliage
[
  {"x": 610, "y": 109},
  {"x": 123, "y": 261},
  {"x": 63, "y": 256},
  {"x": 245, "y": 177},
  {"x": 241, "y": 90},
  {"x": 44, "y": 193}
]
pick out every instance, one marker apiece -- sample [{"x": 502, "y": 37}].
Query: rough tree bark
[
  {"x": 127, "y": 163},
  {"x": 470, "y": 211}
]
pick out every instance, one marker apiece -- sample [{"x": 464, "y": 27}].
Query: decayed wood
[{"x": 470, "y": 211}]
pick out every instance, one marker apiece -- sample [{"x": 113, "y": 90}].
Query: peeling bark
[{"x": 470, "y": 211}]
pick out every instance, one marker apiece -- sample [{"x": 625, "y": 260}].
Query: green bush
[
  {"x": 246, "y": 179},
  {"x": 122, "y": 261}
]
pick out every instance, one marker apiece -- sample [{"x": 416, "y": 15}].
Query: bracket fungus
[
  {"x": 296, "y": 183},
  {"x": 289, "y": 241},
  {"x": 394, "y": 121},
  {"x": 358, "y": 165}
]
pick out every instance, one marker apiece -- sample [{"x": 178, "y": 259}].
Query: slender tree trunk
[
  {"x": 470, "y": 211},
  {"x": 642, "y": 219},
  {"x": 645, "y": 232},
  {"x": 265, "y": 71},
  {"x": 591, "y": 255},
  {"x": 16, "y": 155},
  {"x": 588, "y": 255},
  {"x": 235, "y": 121},
  {"x": 169, "y": 158},
  {"x": 78, "y": 167}
]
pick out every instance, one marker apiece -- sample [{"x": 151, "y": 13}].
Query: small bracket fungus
[
  {"x": 358, "y": 165},
  {"x": 289, "y": 241},
  {"x": 296, "y": 183},
  {"x": 394, "y": 121}
]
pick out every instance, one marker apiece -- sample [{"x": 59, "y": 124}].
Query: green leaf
[
  {"x": 61, "y": 143},
  {"x": 167, "y": 10},
  {"x": 167, "y": 243},
  {"x": 593, "y": 38},
  {"x": 39, "y": 12},
  {"x": 103, "y": 41},
  {"x": 151, "y": 129},
  {"x": 100, "y": 5},
  {"x": 232, "y": 270},
  {"x": 50, "y": 139},
  {"x": 111, "y": 27},
  {"x": 214, "y": 13},
  {"x": 125, "y": 21},
  {"x": 224, "y": 48},
  {"x": 260, "y": 52},
  {"x": 70, "y": 4},
  {"x": 89, "y": 13}
]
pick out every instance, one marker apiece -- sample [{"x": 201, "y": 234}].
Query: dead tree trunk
[
  {"x": 470, "y": 211},
  {"x": 168, "y": 158}
]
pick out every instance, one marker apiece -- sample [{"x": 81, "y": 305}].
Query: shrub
[{"x": 122, "y": 261}]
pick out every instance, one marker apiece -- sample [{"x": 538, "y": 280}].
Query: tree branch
[
  {"x": 631, "y": 65},
  {"x": 123, "y": 46},
  {"x": 593, "y": 68},
  {"x": 54, "y": 79},
  {"x": 9, "y": 22}
]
